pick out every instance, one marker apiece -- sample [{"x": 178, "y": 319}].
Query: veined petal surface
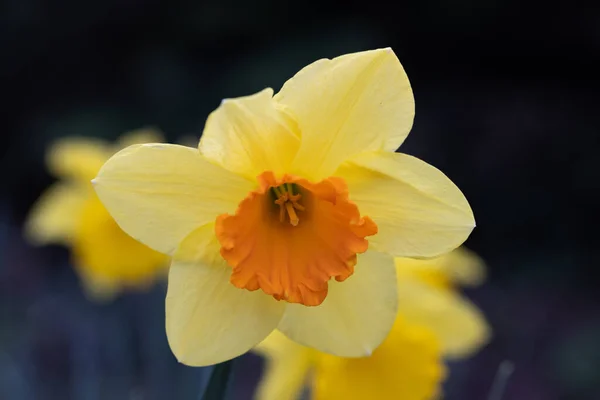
[
  {"x": 357, "y": 314},
  {"x": 160, "y": 193},
  {"x": 419, "y": 211},
  {"x": 353, "y": 103},
  {"x": 208, "y": 319},
  {"x": 250, "y": 135}
]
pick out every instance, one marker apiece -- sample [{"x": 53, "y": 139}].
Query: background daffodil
[
  {"x": 408, "y": 365},
  {"x": 281, "y": 196},
  {"x": 70, "y": 213},
  {"x": 428, "y": 292},
  {"x": 432, "y": 324}
]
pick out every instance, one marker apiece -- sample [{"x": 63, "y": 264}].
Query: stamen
[
  {"x": 288, "y": 202},
  {"x": 294, "y": 199},
  {"x": 277, "y": 191},
  {"x": 298, "y": 206},
  {"x": 292, "y": 214},
  {"x": 290, "y": 189}
]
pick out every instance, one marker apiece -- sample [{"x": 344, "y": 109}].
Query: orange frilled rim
[{"x": 290, "y": 236}]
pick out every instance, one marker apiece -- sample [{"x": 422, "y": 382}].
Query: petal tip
[
  {"x": 180, "y": 355},
  {"x": 182, "y": 360}
]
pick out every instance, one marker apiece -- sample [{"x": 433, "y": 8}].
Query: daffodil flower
[
  {"x": 428, "y": 293},
  {"x": 434, "y": 323},
  {"x": 408, "y": 365},
  {"x": 69, "y": 213},
  {"x": 284, "y": 193}
]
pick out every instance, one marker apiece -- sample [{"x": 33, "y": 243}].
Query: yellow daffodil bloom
[
  {"x": 408, "y": 365},
  {"x": 70, "y": 213},
  {"x": 432, "y": 324},
  {"x": 278, "y": 199},
  {"x": 428, "y": 296},
  {"x": 460, "y": 267}
]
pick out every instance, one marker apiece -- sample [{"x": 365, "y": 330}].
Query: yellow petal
[
  {"x": 425, "y": 271},
  {"x": 464, "y": 267},
  {"x": 407, "y": 366},
  {"x": 458, "y": 323},
  {"x": 250, "y": 135},
  {"x": 418, "y": 210},
  {"x": 140, "y": 136},
  {"x": 286, "y": 368},
  {"x": 356, "y": 315},
  {"x": 208, "y": 319},
  {"x": 81, "y": 157},
  {"x": 159, "y": 193},
  {"x": 105, "y": 255},
  {"x": 77, "y": 157},
  {"x": 54, "y": 217},
  {"x": 98, "y": 289},
  {"x": 460, "y": 267},
  {"x": 350, "y": 104}
]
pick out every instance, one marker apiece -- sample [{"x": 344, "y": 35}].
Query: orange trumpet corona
[{"x": 290, "y": 236}]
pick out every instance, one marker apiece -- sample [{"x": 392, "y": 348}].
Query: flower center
[
  {"x": 291, "y": 236},
  {"x": 288, "y": 202}
]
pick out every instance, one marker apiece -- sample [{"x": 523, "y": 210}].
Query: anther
[
  {"x": 292, "y": 214},
  {"x": 288, "y": 202}
]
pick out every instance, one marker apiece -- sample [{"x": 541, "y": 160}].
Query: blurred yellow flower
[
  {"x": 70, "y": 213},
  {"x": 428, "y": 296},
  {"x": 460, "y": 267},
  {"x": 432, "y": 323},
  {"x": 408, "y": 366},
  {"x": 280, "y": 196}
]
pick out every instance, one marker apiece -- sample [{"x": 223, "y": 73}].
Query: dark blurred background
[{"x": 507, "y": 106}]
